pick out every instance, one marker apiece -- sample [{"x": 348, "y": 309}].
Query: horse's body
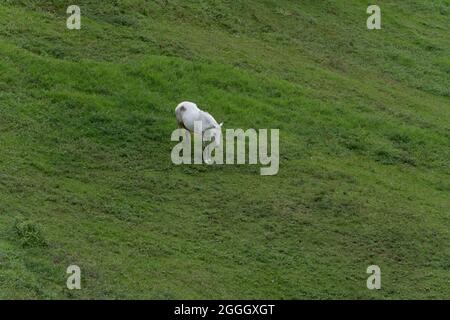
[
  {"x": 194, "y": 120},
  {"x": 188, "y": 113}
]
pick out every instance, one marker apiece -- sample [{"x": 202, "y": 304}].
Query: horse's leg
[
  {"x": 203, "y": 148},
  {"x": 186, "y": 132},
  {"x": 206, "y": 157},
  {"x": 188, "y": 136}
]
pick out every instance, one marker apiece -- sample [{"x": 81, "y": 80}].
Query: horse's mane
[{"x": 212, "y": 119}]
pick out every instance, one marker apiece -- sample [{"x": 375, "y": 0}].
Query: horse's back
[{"x": 186, "y": 106}]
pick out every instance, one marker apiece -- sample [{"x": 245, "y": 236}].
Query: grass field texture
[{"x": 85, "y": 170}]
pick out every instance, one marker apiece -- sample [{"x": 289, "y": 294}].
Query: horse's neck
[{"x": 207, "y": 120}]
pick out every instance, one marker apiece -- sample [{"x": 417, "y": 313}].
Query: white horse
[{"x": 188, "y": 114}]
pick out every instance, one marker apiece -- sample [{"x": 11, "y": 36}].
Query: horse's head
[{"x": 215, "y": 134}]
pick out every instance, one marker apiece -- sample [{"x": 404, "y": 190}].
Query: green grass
[{"x": 85, "y": 170}]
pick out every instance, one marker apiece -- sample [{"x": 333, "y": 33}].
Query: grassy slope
[{"x": 85, "y": 122}]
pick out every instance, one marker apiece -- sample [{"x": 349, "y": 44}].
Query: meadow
[{"x": 86, "y": 177}]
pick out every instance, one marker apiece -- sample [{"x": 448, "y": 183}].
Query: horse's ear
[{"x": 221, "y": 124}]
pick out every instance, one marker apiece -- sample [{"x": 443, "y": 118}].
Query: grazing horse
[{"x": 187, "y": 114}]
